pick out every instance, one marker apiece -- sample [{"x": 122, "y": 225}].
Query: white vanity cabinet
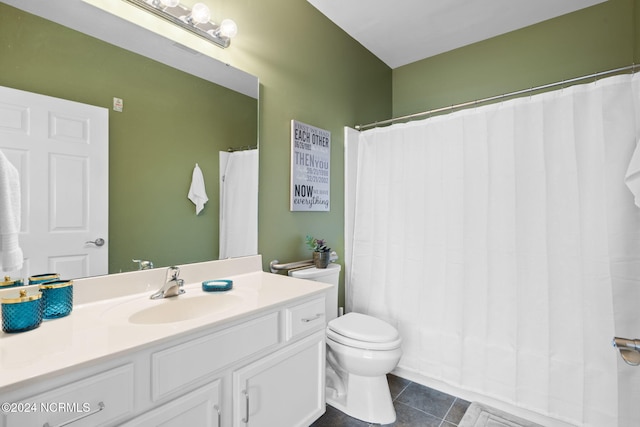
[
  {"x": 264, "y": 369},
  {"x": 285, "y": 388}
]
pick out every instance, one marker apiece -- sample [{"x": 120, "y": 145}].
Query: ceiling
[{"x": 400, "y": 32}]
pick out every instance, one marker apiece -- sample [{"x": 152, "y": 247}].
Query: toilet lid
[
  {"x": 363, "y": 328},
  {"x": 364, "y": 345}
]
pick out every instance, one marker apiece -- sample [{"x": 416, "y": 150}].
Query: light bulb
[
  {"x": 200, "y": 13},
  {"x": 170, "y": 3},
  {"x": 228, "y": 28}
]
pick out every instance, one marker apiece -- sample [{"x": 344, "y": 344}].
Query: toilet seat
[
  {"x": 362, "y": 345},
  {"x": 364, "y": 332}
]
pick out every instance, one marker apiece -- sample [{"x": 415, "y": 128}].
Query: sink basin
[
  {"x": 177, "y": 309},
  {"x": 174, "y": 309}
]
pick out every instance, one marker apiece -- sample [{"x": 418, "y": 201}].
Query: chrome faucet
[
  {"x": 172, "y": 285},
  {"x": 143, "y": 264}
]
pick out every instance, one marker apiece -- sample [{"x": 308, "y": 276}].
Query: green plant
[{"x": 317, "y": 245}]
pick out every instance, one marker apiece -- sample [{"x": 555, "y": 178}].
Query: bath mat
[{"x": 479, "y": 415}]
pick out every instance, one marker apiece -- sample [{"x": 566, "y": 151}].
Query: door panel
[{"x": 60, "y": 149}]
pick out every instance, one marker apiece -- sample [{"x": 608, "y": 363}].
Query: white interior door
[{"x": 61, "y": 150}]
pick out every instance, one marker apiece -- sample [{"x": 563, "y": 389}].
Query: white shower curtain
[
  {"x": 238, "y": 203},
  {"x": 499, "y": 240}
]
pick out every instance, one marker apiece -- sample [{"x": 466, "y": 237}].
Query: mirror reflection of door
[{"x": 61, "y": 150}]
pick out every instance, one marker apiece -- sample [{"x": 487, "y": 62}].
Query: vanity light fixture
[{"x": 195, "y": 20}]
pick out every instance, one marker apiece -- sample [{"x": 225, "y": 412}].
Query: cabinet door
[
  {"x": 285, "y": 388},
  {"x": 197, "y": 408}
]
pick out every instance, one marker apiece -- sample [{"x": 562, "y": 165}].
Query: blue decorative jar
[
  {"x": 9, "y": 283},
  {"x": 57, "y": 298},
  {"x": 42, "y": 278},
  {"x": 21, "y": 314}
]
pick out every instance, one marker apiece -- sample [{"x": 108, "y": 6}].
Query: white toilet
[{"x": 361, "y": 350}]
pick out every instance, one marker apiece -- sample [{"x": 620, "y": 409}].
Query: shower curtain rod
[
  {"x": 497, "y": 97},
  {"x": 243, "y": 148}
]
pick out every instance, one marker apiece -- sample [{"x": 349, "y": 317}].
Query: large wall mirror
[{"x": 180, "y": 108}]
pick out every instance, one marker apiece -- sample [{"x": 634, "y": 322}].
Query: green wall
[
  {"x": 309, "y": 70},
  {"x": 171, "y": 120},
  {"x": 597, "y": 38}
]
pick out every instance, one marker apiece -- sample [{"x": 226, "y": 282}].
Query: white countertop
[{"x": 98, "y": 326}]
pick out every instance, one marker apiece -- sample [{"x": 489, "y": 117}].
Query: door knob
[{"x": 98, "y": 242}]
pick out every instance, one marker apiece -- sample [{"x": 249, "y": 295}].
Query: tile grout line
[
  {"x": 442, "y": 419},
  {"x": 448, "y": 410},
  {"x": 402, "y": 391},
  {"x": 425, "y": 412}
]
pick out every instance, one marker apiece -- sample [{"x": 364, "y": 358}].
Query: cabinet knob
[
  {"x": 246, "y": 398},
  {"x": 217, "y": 409},
  {"x": 311, "y": 319}
]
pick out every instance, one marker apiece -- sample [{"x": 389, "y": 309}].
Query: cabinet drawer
[
  {"x": 180, "y": 365},
  {"x": 306, "y": 317},
  {"x": 94, "y": 401}
]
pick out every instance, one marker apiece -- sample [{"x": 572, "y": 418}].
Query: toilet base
[{"x": 367, "y": 399}]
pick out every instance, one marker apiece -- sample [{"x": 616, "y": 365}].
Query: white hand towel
[
  {"x": 197, "y": 193},
  {"x": 632, "y": 177},
  {"x": 11, "y": 257}
]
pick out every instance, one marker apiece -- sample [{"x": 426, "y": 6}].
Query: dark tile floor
[{"x": 416, "y": 406}]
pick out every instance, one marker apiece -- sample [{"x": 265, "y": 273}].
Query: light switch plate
[{"x": 118, "y": 104}]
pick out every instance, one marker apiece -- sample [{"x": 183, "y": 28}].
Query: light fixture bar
[{"x": 179, "y": 15}]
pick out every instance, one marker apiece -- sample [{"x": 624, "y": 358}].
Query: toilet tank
[{"x": 330, "y": 275}]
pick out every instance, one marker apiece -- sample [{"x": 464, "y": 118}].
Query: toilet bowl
[{"x": 361, "y": 350}]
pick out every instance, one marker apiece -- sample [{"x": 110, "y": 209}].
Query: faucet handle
[
  {"x": 143, "y": 264},
  {"x": 172, "y": 273}
]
